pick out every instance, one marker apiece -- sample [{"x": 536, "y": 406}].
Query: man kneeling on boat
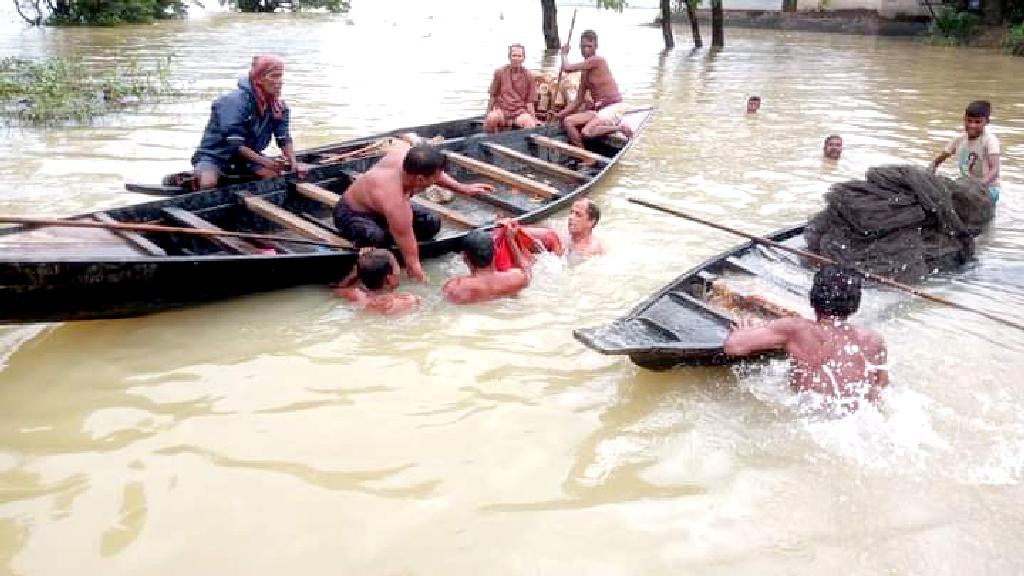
[
  {"x": 485, "y": 281},
  {"x": 830, "y": 356},
  {"x": 241, "y": 125},
  {"x": 376, "y": 210},
  {"x": 373, "y": 287}
]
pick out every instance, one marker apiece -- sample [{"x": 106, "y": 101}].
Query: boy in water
[
  {"x": 829, "y": 355},
  {"x": 484, "y": 281},
  {"x": 373, "y": 288},
  {"x": 753, "y": 104},
  {"x": 976, "y": 151},
  {"x": 833, "y": 147}
]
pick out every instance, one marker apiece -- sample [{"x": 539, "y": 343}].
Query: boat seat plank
[
  {"x": 295, "y": 223},
  {"x": 236, "y": 245},
  {"x": 134, "y": 238},
  {"x": 445, "y": 212},
  {"x": 317, "y": 193},
  {"x": 542, "y": 165},
  {"x": 687, "y": 323},
  {"x": 502, "y": 175},
  {"x": 569, "y": 149}
]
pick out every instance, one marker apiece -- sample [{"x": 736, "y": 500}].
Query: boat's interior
[{"x": 529, "y": 170}]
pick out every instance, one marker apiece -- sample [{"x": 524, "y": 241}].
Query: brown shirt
[{"x": 512, "y": 89}]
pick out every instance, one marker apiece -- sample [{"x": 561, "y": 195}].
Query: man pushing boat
[
  {"x": 376, "y": 210},
  {"x": 830, "y": 356}
]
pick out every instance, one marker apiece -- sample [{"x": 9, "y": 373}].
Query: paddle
[
  {"x": 824, "y": 260},
  {"x": 561, "y": 70},
  {"x": 156, "y": 228}
]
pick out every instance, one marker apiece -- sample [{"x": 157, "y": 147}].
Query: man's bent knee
[
  {"x": 493, "y": 121},
  {"x": 525, "y": 120},
  {"x": 207, "y": 179}
]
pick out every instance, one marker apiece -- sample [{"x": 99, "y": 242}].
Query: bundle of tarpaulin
[{"x": 901, "y": 221}]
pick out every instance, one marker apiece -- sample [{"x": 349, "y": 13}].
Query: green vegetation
[
  {"x": 58, "y": 90},
  {"x": 294, "y": 5},
  {"x": 91, "y": 12},
  {"x": 954, "y": 26},
  {"x": 1015, "y": 40}
]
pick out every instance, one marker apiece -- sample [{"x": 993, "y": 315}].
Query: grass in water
[{"x": 61, "y": 90}]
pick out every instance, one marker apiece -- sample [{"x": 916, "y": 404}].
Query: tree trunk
[
  {"x": 550, "y": 25},
  {"x": 691, "y": 15},
  {"x": 717, "y": 25},
  {"x": 666, "y": 24},
  {"x": 789, "y": 5}
]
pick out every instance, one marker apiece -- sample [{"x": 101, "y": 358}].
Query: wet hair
[
  {"x": 979, "y": 109},
  {"x": 589, "y": 35},
  {"x": 478, "y": 247},
  {"x": 836, "y": 291},
  {"x": 832, "y": 137},
  {"x": 754, "y": 98},
  {"x": 520, "y": 46},
  {"x": 373, "y": 268},
  {"x": 423, "y": 160},
  {"x": 593, "y": 212}
]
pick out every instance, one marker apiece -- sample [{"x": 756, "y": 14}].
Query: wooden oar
[
  {"x": 156, "y": 228},
  {"x": 561, "y": 70},
  {"x": 824, "y": 260}
]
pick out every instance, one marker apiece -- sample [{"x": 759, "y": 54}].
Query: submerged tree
[
  {"x": 38, "y": 12},
  {"x": 294, "y": 5},
  {"x": 549, "y": 12},
  {"x": 717, "y": 25},
  {"x": 666, "y": 24}
]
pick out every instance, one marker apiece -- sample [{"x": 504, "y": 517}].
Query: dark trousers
[{"x": 368, "y": 229}]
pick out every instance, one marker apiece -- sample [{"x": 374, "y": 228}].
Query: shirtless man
[
  {"x": 483, "y": 281},
  {"x": 373, "y": 288},
  {"x": 595, "y": 78},
  {"x": 833, "y": 147},
  {"x": 512, "y": 95},
  {"x": 375, "y": 210},
  {"x": 583, "y": 217},
  {"x": 829, "y": 356}
]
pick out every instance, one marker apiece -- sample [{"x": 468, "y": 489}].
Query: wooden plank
[
  {"x": 275, "y": 213},
  {"x": 502, "y": 175},
  {"x": 189, "y": 219},
  {"x": 445, "y": 212},
  {"x": 537, "y": 163},
  {"x": 133, "y": 238},
  {"x": 569, "y": 149},
  {"x": 314, "y": 192}
]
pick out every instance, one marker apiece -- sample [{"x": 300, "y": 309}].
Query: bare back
[
  {"x": 485, "y": 285},
  {"x": 597, "y": 79},
  {"x": 835, "y": 358}
]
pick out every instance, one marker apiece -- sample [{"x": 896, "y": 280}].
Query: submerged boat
[
  {"x": 57, "y": 274},
  {"x": 687, "y": 321}
]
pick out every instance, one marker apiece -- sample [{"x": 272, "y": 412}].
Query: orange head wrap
[{"x": 261, "y": 66}]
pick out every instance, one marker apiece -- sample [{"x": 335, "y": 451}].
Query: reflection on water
[{"x": 454, "y": 438}]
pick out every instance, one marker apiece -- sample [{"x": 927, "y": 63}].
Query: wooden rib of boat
[
  {"x": 688, "y": 320},
  {"x": 57, "y": 274}
]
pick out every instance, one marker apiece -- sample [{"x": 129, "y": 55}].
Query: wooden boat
[
  {"x": 687, "y": 321},
  {"x": 57, "y": 274},
  {"x": 182, "y": 182}
]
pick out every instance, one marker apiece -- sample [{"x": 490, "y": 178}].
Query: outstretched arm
[
  {"x": 446, "y": 181},
  {"x": 745, "y": 338}
]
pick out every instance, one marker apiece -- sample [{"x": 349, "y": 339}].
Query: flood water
[{"x": 283, "y": 433}]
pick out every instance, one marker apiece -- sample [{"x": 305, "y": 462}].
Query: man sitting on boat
[
  {"x": 485, "y": 281},
  {"x": 373, "y": 288},
  {"x": 376, "y": 210},
  {"x": 513, "y": 94},
  {"x": 241, "y": 125},
  {"x": 830, "y": 356},
  {"x": 596, "y": 78}
]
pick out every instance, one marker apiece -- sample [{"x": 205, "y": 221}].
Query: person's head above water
[
  {"x": 583, "y": 216},
  {"x": 835, "y": 292},
  {"x": 753, "y": 104},
  {"x": 833, "y": 147},
  {"x": 478, "y": 249},
  {"x": 374, "y": 268}
]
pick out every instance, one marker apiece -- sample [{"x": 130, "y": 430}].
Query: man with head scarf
[{"x": 241, "y": 125}]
